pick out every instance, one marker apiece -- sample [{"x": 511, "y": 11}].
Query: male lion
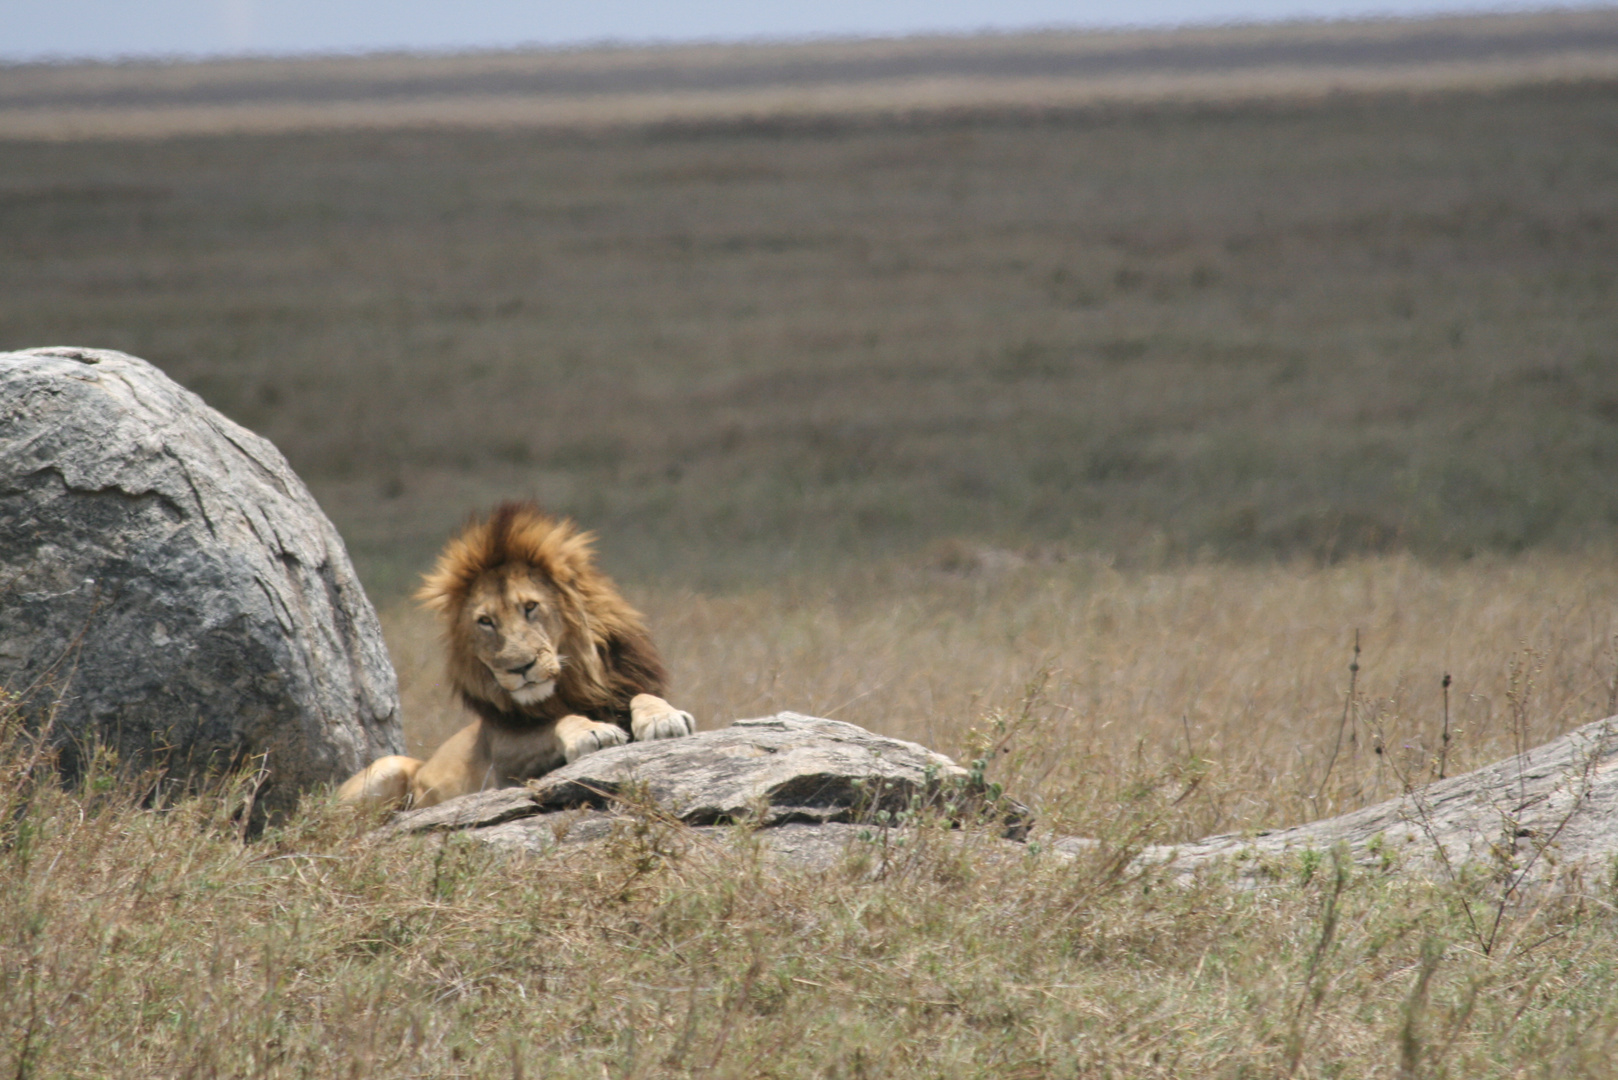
[{"x": 542, "y": 648}]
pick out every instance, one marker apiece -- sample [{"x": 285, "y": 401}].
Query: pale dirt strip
[
  {"x": 873, "y": 98},
  {"x": 1532, "y": 33}
]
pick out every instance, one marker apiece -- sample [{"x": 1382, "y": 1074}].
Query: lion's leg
[
  {"x": 653, "y": 718},
  {"x": 385, "y": 781},
  {"x": 580, "y": 735},
  {"x": 461, "y": 766}
]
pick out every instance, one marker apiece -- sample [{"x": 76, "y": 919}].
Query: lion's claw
[
  {"x": 653, "y": 718},
  {"x": 665, "y": 723},
  {"x": 596, "y": 737}
]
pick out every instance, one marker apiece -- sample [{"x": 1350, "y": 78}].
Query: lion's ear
[
  {"x": 569, "y": 555},
  {"x": 433, "y": 596},
  {"x": 446, "y": 585}
]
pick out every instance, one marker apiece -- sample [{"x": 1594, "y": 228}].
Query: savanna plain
[{"x": 1086, "y": 442}]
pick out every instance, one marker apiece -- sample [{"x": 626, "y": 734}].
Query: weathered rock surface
[
  {"x": 783, "y": 774},
  {"x": 164, "y": 571},
  {"x": 813, "y": 847},
  {"x": 1524, "y": 816},
  {"x": 775, "y": 770},
  {"x": 807, "y": 786}
]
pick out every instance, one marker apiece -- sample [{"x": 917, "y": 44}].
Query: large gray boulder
[{"x": 170, "y": 589}]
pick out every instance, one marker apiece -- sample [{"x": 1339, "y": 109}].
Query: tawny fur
[{"x": 521, "y": 602}]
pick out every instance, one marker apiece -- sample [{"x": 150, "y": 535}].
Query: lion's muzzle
[
  {"x": 533, "y": 693},
  {"x": 528, "y": 677}
]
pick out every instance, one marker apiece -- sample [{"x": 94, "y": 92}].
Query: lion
[{"x": 542, "y": 649}]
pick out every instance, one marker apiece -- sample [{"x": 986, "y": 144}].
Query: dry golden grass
[
  {"x": 1096, "y": 681},
  {"x": 151, "y": 941}
]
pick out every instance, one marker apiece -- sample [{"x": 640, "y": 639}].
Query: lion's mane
[{"x": 610, "y": 656}]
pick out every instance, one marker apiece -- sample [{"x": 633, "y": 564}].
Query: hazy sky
[{"x": 31, "y": 29}]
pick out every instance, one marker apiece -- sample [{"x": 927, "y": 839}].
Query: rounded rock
[{"x": 170, "y": 590}]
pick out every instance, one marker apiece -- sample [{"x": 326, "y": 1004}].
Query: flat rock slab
[
  {"x": 171, "y": 588},
  {"x": 1523, "y": 816},
  {"x": 868, "y": 849},
  {"x": 815, "y": 846},
  {"x": 770, "y": 773},
  {"x": 808, "y": 787}
]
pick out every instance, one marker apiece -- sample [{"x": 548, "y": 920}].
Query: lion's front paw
[
  {"x": 653, "y": 718},
  {"x": 587, "y": 736}
]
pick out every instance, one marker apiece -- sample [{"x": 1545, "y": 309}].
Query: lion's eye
[
  {"x": 530, "y": 607},
  {"x": 486, "y": 620}
]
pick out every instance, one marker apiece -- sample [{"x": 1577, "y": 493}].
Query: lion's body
[{"x": 542, "y": 649}]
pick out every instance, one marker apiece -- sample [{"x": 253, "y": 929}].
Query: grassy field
[
  {"x": 1088, "y": 439},
  {"x": 1133, "y": 706},
  {"x": 1369, "y": 323}
]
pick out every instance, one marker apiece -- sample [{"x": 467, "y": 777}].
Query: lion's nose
[{"x": 525, "y": 669}]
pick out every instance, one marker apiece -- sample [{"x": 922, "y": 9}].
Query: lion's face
[
  {"x": 532, "y": 626},
  {"x": 513, "y": 622}
]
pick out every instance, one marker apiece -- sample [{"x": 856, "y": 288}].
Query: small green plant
[{"x": 1313, "y": 992}]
